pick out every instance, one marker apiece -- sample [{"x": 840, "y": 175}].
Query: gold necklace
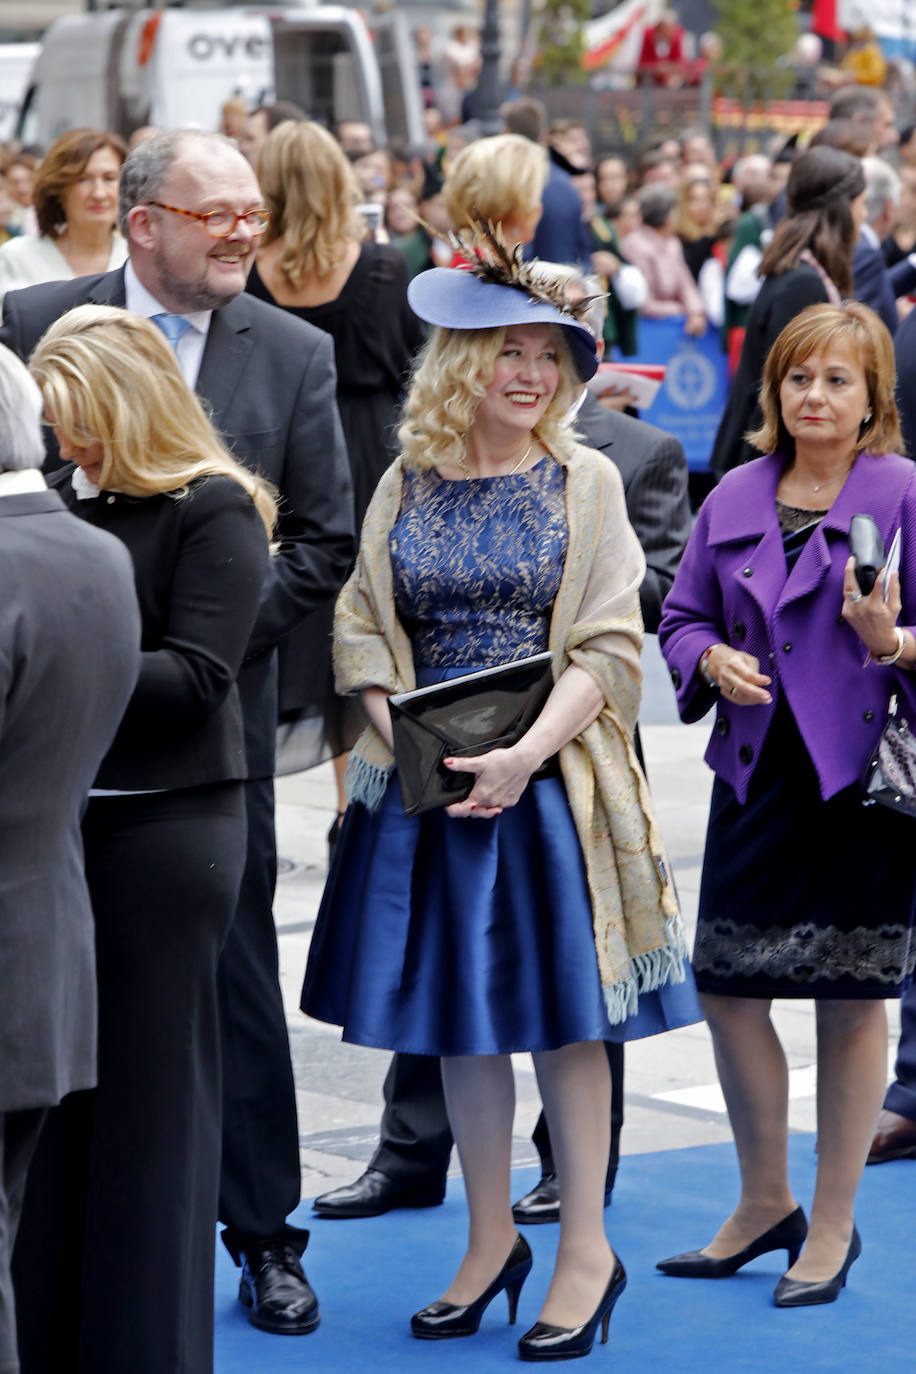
[{"x": 467, "y": 471}]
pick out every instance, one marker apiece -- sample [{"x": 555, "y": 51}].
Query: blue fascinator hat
[{"x": 473, "y": 298}]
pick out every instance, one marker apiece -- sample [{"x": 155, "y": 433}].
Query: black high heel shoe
[
  {"x": 788, "y": 1234},
  {"x": 797, "y": 1293},
  {"x": 443, "y": 1320},
  {"x": 546, "y": 1342}
]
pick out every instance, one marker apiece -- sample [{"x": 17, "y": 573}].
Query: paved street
[{"x": 672, "y": 1099}]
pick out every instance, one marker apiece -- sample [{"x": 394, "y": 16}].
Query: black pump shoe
[
  {"x": 788, "y": 1234},
  {"x": 797, "y": 1293},
  {"x": 443, "y": 1320},
  {"x": 546, "y": 1342}
]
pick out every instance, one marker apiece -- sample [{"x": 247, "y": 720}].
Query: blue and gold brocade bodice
[{"x": 477, "y": 564}]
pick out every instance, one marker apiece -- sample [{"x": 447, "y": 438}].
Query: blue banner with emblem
[{"x": 692, "y": 397}]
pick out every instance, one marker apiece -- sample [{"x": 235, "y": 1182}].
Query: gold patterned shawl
[{"x": 595, "y": 624}]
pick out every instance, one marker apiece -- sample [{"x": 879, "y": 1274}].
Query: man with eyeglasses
[{"x": 192, "y": 212}]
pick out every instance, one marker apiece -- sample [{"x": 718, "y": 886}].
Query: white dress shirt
[
  {"x": 190, "y": 347},
  {"x": 22, "y": 479}
]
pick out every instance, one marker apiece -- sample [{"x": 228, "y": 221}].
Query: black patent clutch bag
[{"x": 465, "y": 716}]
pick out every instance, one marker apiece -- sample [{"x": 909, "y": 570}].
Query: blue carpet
[{"x": 371, "y": 1275}]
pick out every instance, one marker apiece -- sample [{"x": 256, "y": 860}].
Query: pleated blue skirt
[{"x": 445, "y": 937}]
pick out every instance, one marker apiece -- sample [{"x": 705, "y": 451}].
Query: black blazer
[
  {"x": 270, "y": 385},
  {"x": 780, "y": 299},
  {"x": 199, "y": 567},
  {"x": 654, "y": 472},
  {"x": 905, "y": 352},
  {"x": 69, "y": 655},
  {"x": 872, "y": 284}
]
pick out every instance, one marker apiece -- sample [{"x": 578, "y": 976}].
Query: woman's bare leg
[
  {"x": 480, "y": 1097},
  {"x": 755, "y": 1083},
  {"x": 851, "y": 1077},
  {"x": 340, "y": 768},
  {"x": 575, "y": 1086}
]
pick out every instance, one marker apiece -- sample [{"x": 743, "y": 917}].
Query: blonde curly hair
[{"x": 452, "y": 376}]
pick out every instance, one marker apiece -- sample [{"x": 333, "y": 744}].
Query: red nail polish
[{"x": 473, "y": 806}]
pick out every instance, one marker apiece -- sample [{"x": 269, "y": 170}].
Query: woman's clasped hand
[
  {"x": 738, "y": 675},
  {"x": 500, "y": 778}
]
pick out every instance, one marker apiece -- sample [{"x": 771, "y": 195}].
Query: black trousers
[
  {"x": 114, "y": 1263},
  {"x": 901, "y": 1095},
  {"x": 260, "y": 1179},
  {"x": 415, "y": 1140},
  {"x": 19, "y": 1132}
]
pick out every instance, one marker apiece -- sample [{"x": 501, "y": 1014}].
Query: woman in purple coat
[{"x": 805, "y": 893}]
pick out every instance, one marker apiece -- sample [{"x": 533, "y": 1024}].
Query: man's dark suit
[
  {"x": 877, "y": 285},
  {"x": 871, "y": 283},
  {"x": 69, "y": 655},
  {"x": 269, "y": 383},
  {"x": 905, "y": 354},
  {"x": 415, "y": 1140}
]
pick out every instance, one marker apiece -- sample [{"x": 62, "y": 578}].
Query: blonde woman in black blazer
[{"x": 164, "y": 836}]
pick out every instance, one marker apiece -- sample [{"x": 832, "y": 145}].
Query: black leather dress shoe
[
  {"x": 895, "y": 1138},
  {"x": 542, "y": 1204},
  {"x": 374, "y": 1193},
  {"x": 274, "y": 1286}
]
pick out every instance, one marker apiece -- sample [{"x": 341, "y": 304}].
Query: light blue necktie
[{"x": 174, "y": 327}]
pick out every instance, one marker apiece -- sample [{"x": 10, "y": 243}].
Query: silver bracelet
[{"x": 886, "y": 660}]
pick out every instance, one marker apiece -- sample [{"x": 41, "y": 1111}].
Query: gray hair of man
[
  {"x": 576, "y": 284},
  {"x": 754, "y": 167},
  {"x": 22, "y": 444},
  {"x": 656, "y": 201},
  {"x": 882, "y": 185},
  {"x": 147, "y": 166}
]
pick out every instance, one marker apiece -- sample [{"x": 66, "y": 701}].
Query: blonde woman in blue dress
[{"x": 538, "y": 914}]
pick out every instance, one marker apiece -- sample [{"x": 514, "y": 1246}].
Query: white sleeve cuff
[
  {"x": 630, "y": 286},
  {"x": 742, "y": 283}
]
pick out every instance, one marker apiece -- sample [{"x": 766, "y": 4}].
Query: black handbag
[
  {"x": 867, "y": 548},
  {"x": 467, "y": 715},
  {"x": 890, "y": 775}
]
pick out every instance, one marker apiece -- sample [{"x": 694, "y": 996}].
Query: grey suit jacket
[
  {"x": 270, "y": 385},
  {"x": 69, "y": 657},
  {"x": 654, "y": 472}
]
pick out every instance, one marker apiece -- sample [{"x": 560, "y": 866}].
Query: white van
[
  {"x": 121, "y": 69},
  {"x": 16, "y": 63}
]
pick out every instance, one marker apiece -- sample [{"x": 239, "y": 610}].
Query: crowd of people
[{"x": 291, "y": 424}]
